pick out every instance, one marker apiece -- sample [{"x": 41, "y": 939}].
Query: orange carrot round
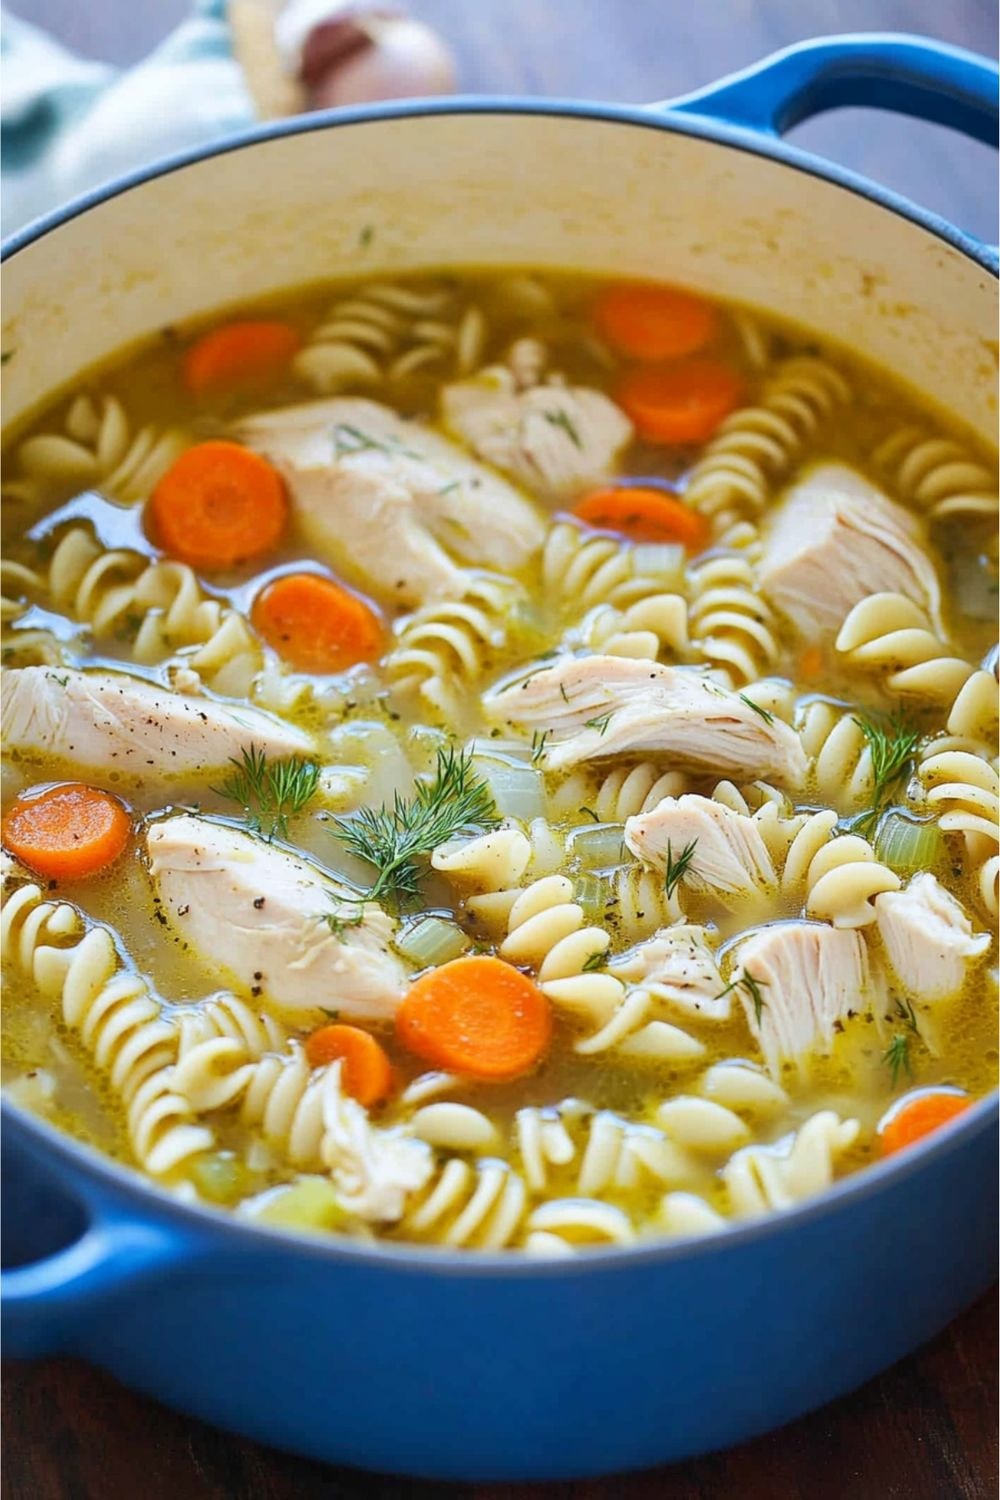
[
  {"x": 478, "y": 1016},
  {"x": 315, "y": 624},
  {"x": 243, "y": 353},
  {"x": 922, "y": 1115},
  {"x": 681, "y": 403},
  {"x": 367, "y": 1071},
  {"x": 643, "y": 515},
  {"x": 218, "y": 505},
  {"x": 67, "y": 831},
  {"x": 646, "y": 321}
]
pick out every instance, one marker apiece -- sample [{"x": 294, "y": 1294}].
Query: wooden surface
[{"x": 926, "y": 1430}]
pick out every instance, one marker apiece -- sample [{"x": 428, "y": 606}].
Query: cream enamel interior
[{"x": 496, "y": 189}]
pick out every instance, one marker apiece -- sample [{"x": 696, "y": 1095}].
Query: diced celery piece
[
  {"x": 592, "y": 893},
  {"x": 906, "y": 843},
  {"x": 308, "y": 1203},
  {"x": 428, "y": 941},
  {"x": 221, "y": 1177},
  {"x": 597, "y": 846},
  {"x": 517, "y": 790}
]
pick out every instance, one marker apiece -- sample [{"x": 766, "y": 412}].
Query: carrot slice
[
  {"x": 67, "y": 831},
  {"x": 647, "y": 321},
  {"x": 237, "y": 354},
  {"x": 217, "y": 505},
  {"x": 367, "y": 1071},
  {"x": 476, "y": 1016},
  {"x": 315, "y": 624},
  {"x": 643, "y": 515},
  {"x": 682, "y": 403},
  {"x": 924, "y": 1114}
]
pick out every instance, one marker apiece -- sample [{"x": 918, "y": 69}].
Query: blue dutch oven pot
[{"x": 487, "y": 1366}]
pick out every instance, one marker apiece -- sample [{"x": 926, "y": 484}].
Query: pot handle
[
  {"x": 45, "y": 1302},
  {"x": 910, "y": 75}
]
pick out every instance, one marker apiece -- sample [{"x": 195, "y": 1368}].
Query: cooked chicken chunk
[
  {"x": 554, "y": 439},
  {"x": 390, "y": 502},
  {"x": 111, "y": 721},
  {"x": 796, "y": 981},
  {"x": 590, "y": 707},
  {"x": 730, "y": 858},
  {"x": 837, "y": 539},
  {"x": 679, "y": 967},
  {"x": 928, "y": 938},
  {"x": 273, "y": 925}
]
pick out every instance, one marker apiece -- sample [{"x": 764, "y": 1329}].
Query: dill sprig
[
  {"x": 892, "y": 746},
  {"x": 269, "y": 791},
  {"x": 753, "y": 987},
  {"x": 600, "y": 724},
  {"x": 897, "y": 1057},
  {"x": 678, "y": 868},
  {"x": 394, "y": 838},
  {"x": 560, "y": 418},
  {"x": 539, "y": 740},
  {"x": 593, "y": 961},
  {"x": 764, "y": 713}
]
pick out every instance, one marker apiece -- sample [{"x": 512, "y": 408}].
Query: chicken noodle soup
[{"x": 498, "y": 761}]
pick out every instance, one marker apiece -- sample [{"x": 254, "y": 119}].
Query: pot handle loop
[{"x": 909, "y": 75}]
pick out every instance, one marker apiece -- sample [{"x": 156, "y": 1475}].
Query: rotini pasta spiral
[
  {"x": 442, "y": 649},
  {"x": 623, "y": 793},
  {"x": 390, "y": 331},
  {"x": 547, "y": 928},
  {"x": 731, "y": 625},
  {"x": 479, "y": 1203},
  {"x": 648, "y": 630},
  {"x": 757, "y": 446},
  {"x": 936, "y": 476},
  {"x": 890, "y": 635},
  {"x": 839, "y": 753},
  {"x": 964, "y": 790},
  {"x": 765, "y": 1179},
  {"x": 99, "y": 449},
  {"x": 582, "y": 569},
  {"x": 118, "y": 1020}
]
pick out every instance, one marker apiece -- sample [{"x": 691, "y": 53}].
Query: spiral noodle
[
  {"x": 890, "y": 635},
  {"x": 582, "y": 569},
  {"x": 936, "y": 476},
  {"x": 837, "y": 878},
  {"x": 388, "y": 332},
  {"x": 547, "y": 929},
  {"x": 623, "y": 793},
  {"x": 442, "y": 649},
  {"x": 479, "y": 1203},
  {"x": 98, "y": 449},
  {"x": 731, "y": 625},
  {"x": 765, "y": 1179},
  {"x": 118, "y": 1020},
  {"x": 647, "y": 630},
  {"x": 963, "y": 789},
  {"x": 757, "y": 446},
  {"x": 839, "y": 754},
  {"x": 162, "y": 610}
]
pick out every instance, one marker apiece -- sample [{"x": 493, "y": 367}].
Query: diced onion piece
[
  {"x": 592, "y": 895},
  {"x": 517, "y": 790},
  {"x": 430, "y": 941},
  {"x": 597, "y": 846},
  {"x": 905, "y": 843}
]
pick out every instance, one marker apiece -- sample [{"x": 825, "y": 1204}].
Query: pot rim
[
  {"x": 649, "y": 116},
  {"x": 221, "y": 1226}
]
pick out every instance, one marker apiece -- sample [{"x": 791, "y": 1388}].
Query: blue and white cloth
[{"x": 69, "y": 124}]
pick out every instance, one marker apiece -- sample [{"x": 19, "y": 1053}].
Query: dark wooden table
[{"x": 927, "y": 1429}]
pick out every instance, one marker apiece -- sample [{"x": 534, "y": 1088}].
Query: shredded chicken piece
[
  {"x": 730, "y": 858},
  {"x": 677, "y": 966},
  {"x": 928, "y": 937}
]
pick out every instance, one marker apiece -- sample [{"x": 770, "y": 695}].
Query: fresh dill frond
[
  {"x": 589, "y": 812},
  {"x": 752, "y": 986},
  {"x": 892, "y": 746},
  {"x": 764, "y": 713},
  {"x": 350, "y": 439},
  {"x": 600, "y": 724},
  {"x": 897, "y": 1058},
  {"x": 678, "y": 868},
  {"x": 592, "y": 962},
  {"x": 560, "y": 418},
  {"x": 338, "y": 924},
  {"x": 906, "y": 1013},
  {"x": 538, "y": 742},
  {"x": 394, "y": 838},
  {"x": 269, "y": 791}
]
